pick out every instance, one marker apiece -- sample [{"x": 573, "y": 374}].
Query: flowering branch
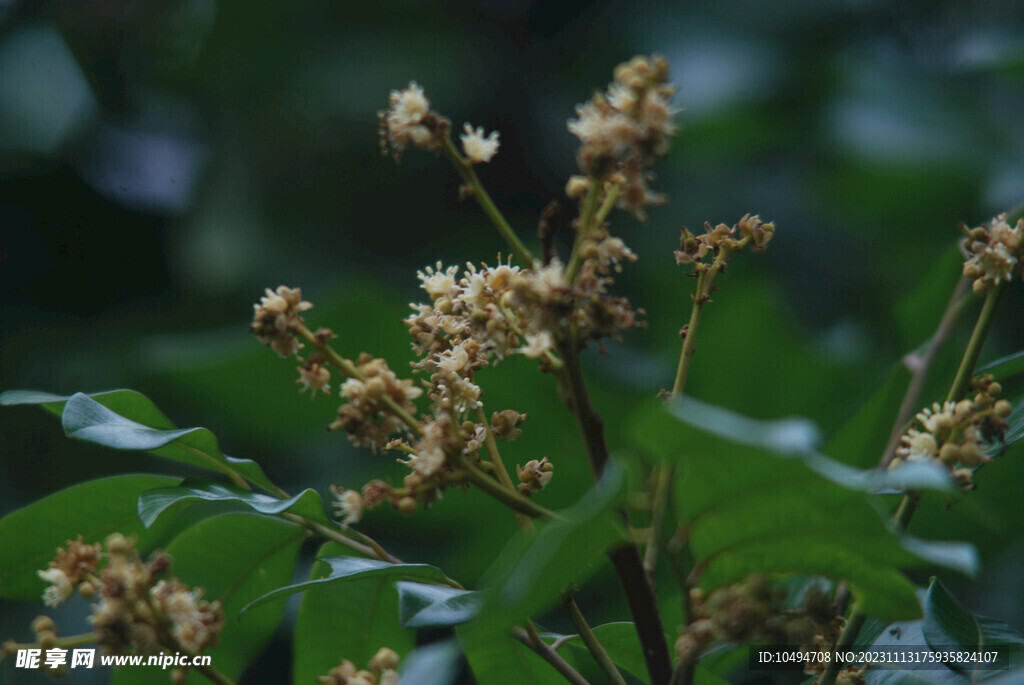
[
  {"x": 349, "y": 369},
  {"x": 643, "y": 603},
  {"x": 994, "y": 253},
  {"x": 483, "y": 199},
  {"x": 524, "y": 520}
]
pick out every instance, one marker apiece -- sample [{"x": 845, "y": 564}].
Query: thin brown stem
[
  {"x": 595, "y": 648},
  {"x": 640, "y": 595},
  {"x": 664, "y": 477},
  {"x": 922, "y": 365},
  {"x": 705, "y": 280},
  {"x": 348, "y": 368},
  {"x": 525, "y": 522},
  {"x": 587, "y": 213},
  {"x": 511, "y": 499},
  {"x": 531, "y": 639}
]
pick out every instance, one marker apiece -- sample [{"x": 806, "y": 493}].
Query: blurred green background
[{"x": 161, "y": 162}]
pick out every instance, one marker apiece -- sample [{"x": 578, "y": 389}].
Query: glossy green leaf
[
  {"x": 622, "y": 644},
  {"x": 434, "y": 664},
  {"x": 93, "y": 509},
  {"x": 908, "y": 635},
  {"x": 128, "y": 403},
  {"x": 757, "y": 498},
  {"x": 948, "y": 624},
  {"x": 1006, "y": 367},
  {"x": 503, "y": 659},
  {"x": 421, "y": 605},
  {"x": 88, "y": 419},
  {"x": 153, "y": 503},
  {"x": 534, "y": 570},
  {"x": 234, "y": 558},
  {"x": 125, "y": 419},
  {"x": 345, "y": 569},
  {"x": 345, "y": 620}
]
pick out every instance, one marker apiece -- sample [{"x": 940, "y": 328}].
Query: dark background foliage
[{"x": 162, "y": 162}]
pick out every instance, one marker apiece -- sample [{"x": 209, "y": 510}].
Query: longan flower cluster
[
  {"x": 74, "y": 562},
  {"x": 380, "y": 671},
  {"x": 433, "y": 470},
  {"x": 409, "y": 119},
  {"x": 955, "y": 435},
  {"x": 491, "y": 312},
  {"x": 623, "y": 129},
  {"x": 752, "y": 613},
  {"x": 138, "y": 607},
  {"x": 276, "y": 318},
  {"x": 994, "y": 252},
  {"x": 694, "y": 248},
  {"x": 534, "y": 476},
  {"x": 366, "y": 417}
]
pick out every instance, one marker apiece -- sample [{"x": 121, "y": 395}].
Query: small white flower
[
  {"x": 60, "y": 586},
  {"x": 315, "y": 378},
  {"x": 476, "y": 146},
  {"x": 536, "y": 345},
  {"x": 348, "y": 507},
  {"x": 408, "y": 107},
  {"x": 438, "y": 281},
  {"x": 453, "y": 360}
]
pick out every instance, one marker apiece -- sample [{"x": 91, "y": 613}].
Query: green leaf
[
  {"x": 350, "y": 620},
  {"x": 907, "y": 635},
  {"x": 93, "y": 509},
  {"x": 533, "y": 570},
  {"x": 948, "y": 624},
  {"x": 1015, "y": 431},
  {"x": 756, "y": 497},
  {"x": 1003, "y": 368},
  {"x": 153, "y": 503},
  {"x": 235, "y": 558},
  {"x": 917, "y": 314},
  {"x": 87, "y": 419},
  {"x": 130, "y": 414},
  {"x": 421, "y": 605},
  {"x": 503, "y": 659},
  {"x": 435, "y": 664},
  {"x": 863, "y": 434},
  {"x": 345, "y": 569},
  {"x": 622, "y": 644}
]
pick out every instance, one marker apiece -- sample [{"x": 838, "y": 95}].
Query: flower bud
[
  {"x": 118, "y": 544},
  {"x": 47, "y": 639},
  {"x": 1002, "y": 409},
  {"x": 385, "y": 658},
  {"x": 972, "y": 455},
  {"x": 949, "y": 454},
  {"x": 43, "y": 624}
]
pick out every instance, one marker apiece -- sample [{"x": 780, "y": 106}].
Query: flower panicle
[
  {"x": 957, "y": 435},
  {"x": 382, "y": 669},
  {"x": 624, "y": 129},
  {"x": 138, "y": 607},
  {"x": 693, "y": 249},
  {"x": 993, "y": 252}
]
